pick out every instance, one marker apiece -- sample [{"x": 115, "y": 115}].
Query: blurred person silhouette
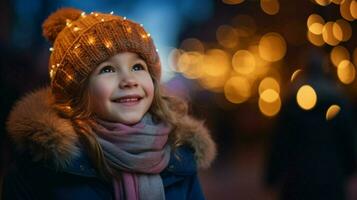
[{"x": 312, "y": 157}]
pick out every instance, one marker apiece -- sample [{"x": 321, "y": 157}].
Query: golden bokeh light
[
  {"x": 315, "y": 24},
  {"x": 272, "y": 47},
  {"x": 237, "y": 89},
  {"x": 353, "y": 9},
  {"x": 269, "y": 95},
  {"x": 345, "y": 10},
  {"x": 269, "y": 109},
  {"x": 327, "y": 34},
  {"x": 346, "y": 29},
  {"x": 323, "y": 2},
  {"x": 216, "y": 68},
  {"x": 316, "y": 28},
  {"x": 332, "y": 111},
  {"x": 261, "y": 66},
  {"x": 295, "y": 74},
  {"x": 270, "y": 7},
  {"x": 190, "y": 64},
  {"x": 314, "y": 18},
  {"x": 227, "y": 36},
  {"x": 337, "y": 31},
  {"x": 274, "y": 72},
  {"x": 316, "y": 40},
  {"x": 232, "y": 2},
  {"x": 306, "y": 97},
  {"x": 243, "y": 62},
  {"x": 214, "y": 83},
  {"x": 216, "y": 63},
  {"x": 269, "y": 83},
  {"x": 338, "y": 54},
  {"x": 346, "y": 72},
  {"x": 192, "y": 44}
]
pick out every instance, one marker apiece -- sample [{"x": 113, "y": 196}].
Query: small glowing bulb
[
  {"x": 102, "y": 20},
  {"x": 76, "y": 28},
  {"x": 51, "y": 49},
  {"x": 149, "y": 34},
  {"x": 52, "y": 73},
  {"x": 83, "y": 14},
  {"x": 96, "y": 14},
  {"x": 91, "y": 13},
  {"x": 112, "y": 12},
  {"x": 108, "y": 44},
  {"x": 68, "y": 23},
  {"x": 157, "y": 50},
  {"x": 58, "y": 65},
  {"x": 124, "y": 18},
  {"x": 141, "y": 25},
  {"x": 91, "y": 40}
]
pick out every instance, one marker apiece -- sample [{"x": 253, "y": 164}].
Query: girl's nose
[{"x": 127, "y": 81}]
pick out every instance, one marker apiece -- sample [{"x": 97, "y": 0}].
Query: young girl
[{"x": 103, "y": 129}]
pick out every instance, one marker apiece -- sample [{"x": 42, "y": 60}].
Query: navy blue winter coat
[
  {"x": 30, "y": 180},
  {"x": 44, "y": 137}
]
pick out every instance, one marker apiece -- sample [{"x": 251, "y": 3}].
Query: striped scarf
[{"x": 140, "y": 152}]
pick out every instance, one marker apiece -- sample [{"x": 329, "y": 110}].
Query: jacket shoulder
[
  {"x": 182, "y": 161},
  {"x": 34, "y": 180},
  {"x": 180, "y": 178}
]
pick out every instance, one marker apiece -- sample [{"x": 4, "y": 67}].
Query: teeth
[{"x": 128, "y": 100}]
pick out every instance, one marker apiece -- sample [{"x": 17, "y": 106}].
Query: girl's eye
[
  {"x": 138, "y": 67},
  {"x": 107, "y": 69}
]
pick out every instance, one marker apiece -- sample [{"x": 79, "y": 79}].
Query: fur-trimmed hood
[{"x": 36, "y": 129}]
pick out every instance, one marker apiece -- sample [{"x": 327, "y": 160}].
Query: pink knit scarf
[{"x": 140, "y": 152}]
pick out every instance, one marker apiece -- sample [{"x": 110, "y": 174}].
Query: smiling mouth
[
  {"x": 125, "y": 100},
  {"x": 128, "y": 100}
]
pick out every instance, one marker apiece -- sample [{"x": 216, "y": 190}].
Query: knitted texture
[{"x": 82, "y": 41}]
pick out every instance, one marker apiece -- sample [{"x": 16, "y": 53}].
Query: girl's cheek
[
  {"x": 150, "y": 87},
  {"x": 100, "y": 89}
]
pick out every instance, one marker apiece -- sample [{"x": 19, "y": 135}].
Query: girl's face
[{"x": 121, "y": 89}]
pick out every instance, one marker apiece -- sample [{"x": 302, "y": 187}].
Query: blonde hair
[{"x": 164, "y": 108}]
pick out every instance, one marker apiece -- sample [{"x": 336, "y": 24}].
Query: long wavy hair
[{"x": 165, "y": 108}]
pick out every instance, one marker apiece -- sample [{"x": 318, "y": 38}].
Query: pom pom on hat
[{"x": 56, "y": 22}]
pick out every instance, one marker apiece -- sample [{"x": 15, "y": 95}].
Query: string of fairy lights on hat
[{"x": 55, "y": 67}]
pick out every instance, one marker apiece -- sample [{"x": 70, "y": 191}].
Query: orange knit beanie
[{"x": 82, "y": 41}]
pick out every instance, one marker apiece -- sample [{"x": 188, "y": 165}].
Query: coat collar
[
  {"x": 36, "y": 129},
  {"x": 182, "y": 163}
]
